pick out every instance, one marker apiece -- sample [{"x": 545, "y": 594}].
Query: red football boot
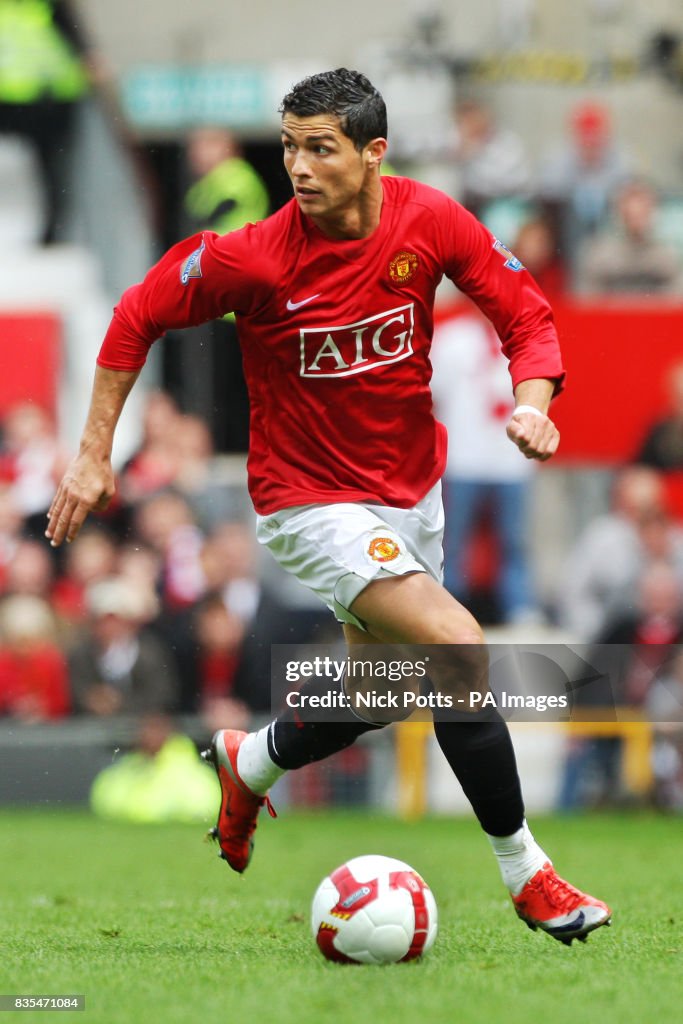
[
  {"x": 239, "y": 808},
  {"x": 566, "y": 913}
]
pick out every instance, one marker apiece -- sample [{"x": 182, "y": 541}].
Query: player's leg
[
  {"x": 375, "y": 577},
  {"x": 320, "y": 545},
  {"x": 416, "y": 609},
  {"x": 248, "y": 764},
  {"x": 300, "y": 736},
  {"x": 334, "y": 550}
]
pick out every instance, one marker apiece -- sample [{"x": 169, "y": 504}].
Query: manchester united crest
[
  {"x": 403, "y": 266},
  {"x": 383, "y": 549}
]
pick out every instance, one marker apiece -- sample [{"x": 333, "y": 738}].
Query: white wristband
[{"x": 528, "y": 408}]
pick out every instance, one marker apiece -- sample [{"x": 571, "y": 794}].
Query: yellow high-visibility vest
[
  {"x": 227, "y": 197},
  {"x": 35, "y": 60}
]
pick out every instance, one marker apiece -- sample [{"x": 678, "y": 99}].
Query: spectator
[
  {"x": 140, "y": 566},
  {"x": 229, "y": 563},
  {"x": 91, "y": 558},
  {"x": 45, "y": 71},
  {"x": 663, "y": 445},
  {"x": 10, "y": 530},
  {"x": 120, "y": 667},
  {"x": 33, "y": 460},
  {"x": 161, "y": 779},
  {"x": 33, "y": 673},
  {"x": 484, "y": 471},
  {"x": 642, "y": 636},
  {"x": 177, "y": 451},
  {"x": 220, "y": 636},
  {"x": 537, "y": 249},
  {"x": 608, "y": 557},
  {"x": 492, "y": 161},
  {"x": 31, "y": 571},
  {"x": 631, "y": 652},
  {"x": 194, "y": 447},
  {"x": 231, "y": 572},
  {"x": 226, "y": 192},
  {"x": 169, "y": 532},
  {"x": 232, "y": 569},
  {"x": 166, "y": 523},
  {"x": 153, "y": 466},
  {"x": 664, "y": 708},
  {"x": 197, "y": 474},
  {"x": 628, "y": 257},
  {"x": 579, "y": 177}
]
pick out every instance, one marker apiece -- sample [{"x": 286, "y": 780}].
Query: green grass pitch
[{"x": 152, "y": 927}]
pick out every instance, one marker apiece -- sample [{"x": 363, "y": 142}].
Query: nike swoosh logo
[
  {"x": 578, "y": 922},
  {"x": 296, "y": 305}
]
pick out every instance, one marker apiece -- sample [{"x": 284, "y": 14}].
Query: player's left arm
[
  {"x": 510, "y": 298},
  {"x": 530, "y": 427}
]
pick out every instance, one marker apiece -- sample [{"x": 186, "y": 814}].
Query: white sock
[
  {"x": 254, "y": 764},
  {"x": 519, "y": 857}
]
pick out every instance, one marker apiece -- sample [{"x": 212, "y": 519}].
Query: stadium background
[{"x": 161, "y": 69}]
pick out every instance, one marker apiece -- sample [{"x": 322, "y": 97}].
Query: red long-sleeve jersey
[{"x": 335, "y": 338}]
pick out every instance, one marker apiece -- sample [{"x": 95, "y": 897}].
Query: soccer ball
[{"x": 374, "y": 910}]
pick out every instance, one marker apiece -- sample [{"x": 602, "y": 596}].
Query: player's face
[{"x": 329, "y": 175}]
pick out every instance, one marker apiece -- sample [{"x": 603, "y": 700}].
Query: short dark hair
[{"x": 347, "y": 94}]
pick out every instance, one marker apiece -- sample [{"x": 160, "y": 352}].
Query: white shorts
[{"x": 336, "y": 550}]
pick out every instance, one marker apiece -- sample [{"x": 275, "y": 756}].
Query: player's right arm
[
  {"x": 197, "y": 280},
  {"x": 88, "y": 483}
]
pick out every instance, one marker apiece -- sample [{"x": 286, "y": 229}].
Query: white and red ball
[{"x": 374, "y": 910}]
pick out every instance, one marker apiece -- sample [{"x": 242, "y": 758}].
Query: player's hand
[
  {"x": 88, "y": 484},
  {"x": 535, "y": 435}
]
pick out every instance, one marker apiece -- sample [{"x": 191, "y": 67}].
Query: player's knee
[
  {"x": 471, "y": 635},
  {"x": 452, "y": 631}
]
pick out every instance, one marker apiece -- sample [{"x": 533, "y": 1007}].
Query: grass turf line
[{"x": 150, "y": 925}]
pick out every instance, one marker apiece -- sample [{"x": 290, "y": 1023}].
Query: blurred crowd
[
  {"x": 583, "y": 218},
  {"x": 576, "y": 209},
  {"x": 157, "y": 606},
  {"x": 160, "y": 606}
]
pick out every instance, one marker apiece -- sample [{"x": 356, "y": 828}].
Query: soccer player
[{"x": 333, "y": 296}]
